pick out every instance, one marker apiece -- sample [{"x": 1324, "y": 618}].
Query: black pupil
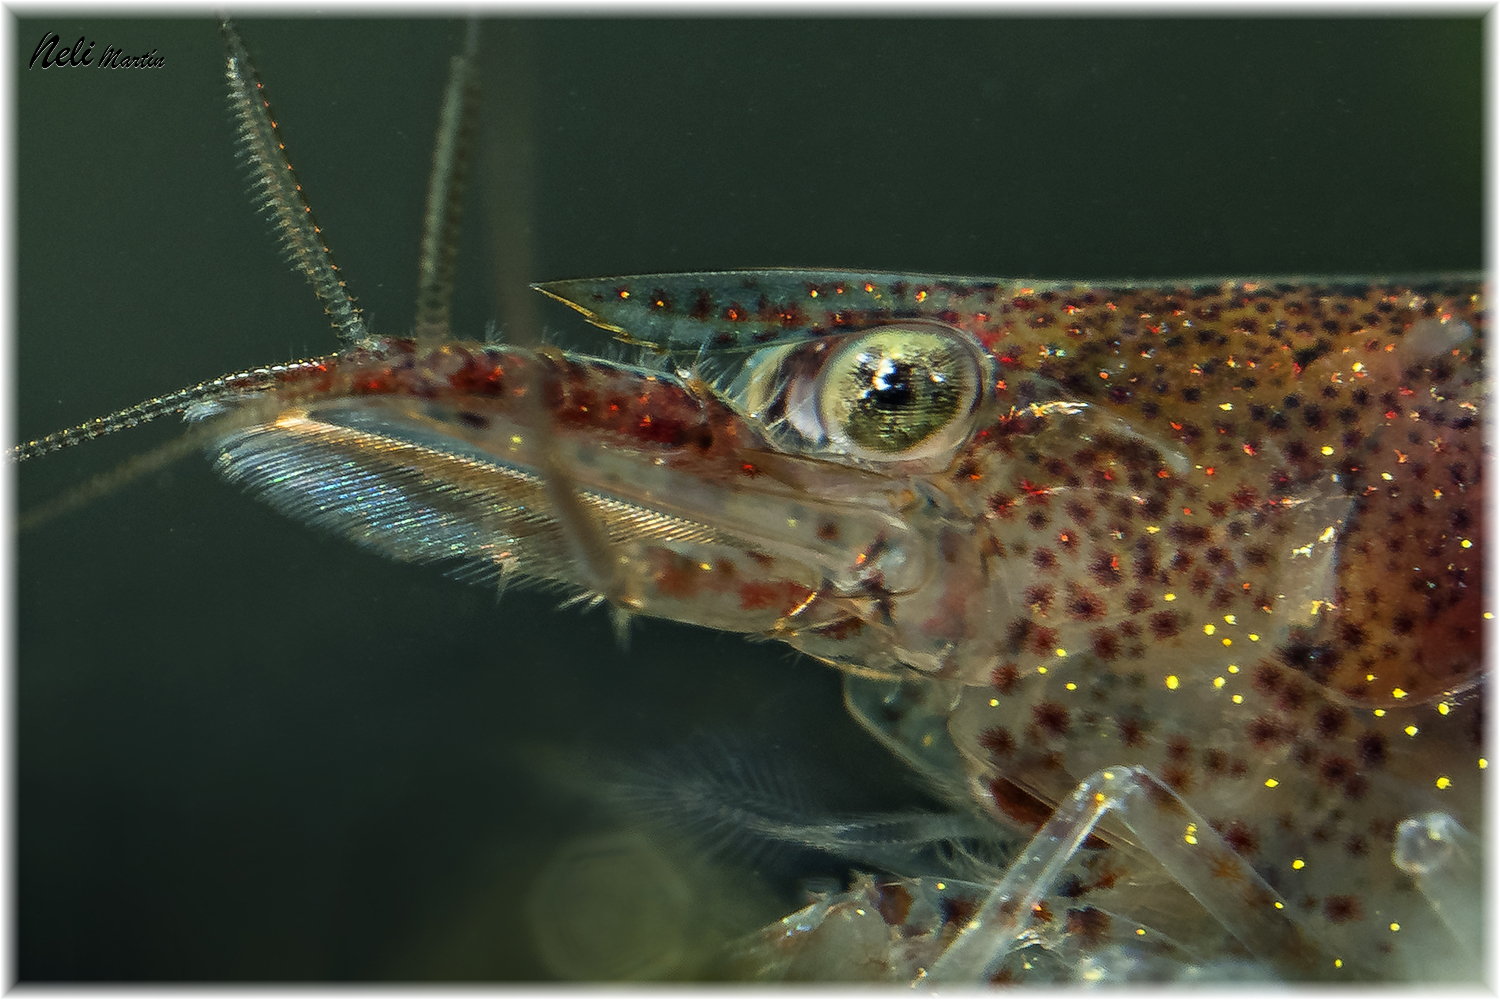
[{"x": 890, "y": 385}]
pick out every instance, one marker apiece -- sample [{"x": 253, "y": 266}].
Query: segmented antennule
[
  {"x": 278, "y": 193},
  {"x": 159, "y": 406},
  {"x": 445, "y": 193}
]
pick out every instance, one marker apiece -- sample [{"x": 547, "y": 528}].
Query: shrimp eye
[{"x": 898, "y": 392}]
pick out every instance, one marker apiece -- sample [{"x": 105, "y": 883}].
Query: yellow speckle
[
  {"x": 994, "y": 703},
  {"x": 940, "y": 886},
  {"x": 1395, "y": 926},
  {"x": 1254, "y": 637},
  {"x": 1410, "y": 730},
  {"x": 1488, "y": 615},
  {"x": 1152, "y": 529},
  {"x": 1190, "y": 835},
  {"x": 812, "y": 293},
  {"x": 1327, "y": 535},
  {"x": 1442, "y": 708},
  {"x": 1226, "y": 406},
  {"x": 927, "y": 739},
  {"x": 1230, "y": 620},
  {"x": 1380, "y": 713},
  {"x": 1444, "y": 782},
  {"x": 1397, "y": 693},
  {"x": 1272, "y": 782},
  {"x": 1299, "y": 864},
  {"x": 1218, "y": 682},
  {"x": 705, "y": 567},
  {"x": 515, "y": 439},
  {"x": 1041, "y": 670},
  {"x": 1467, "y": 544},
  {"x": 1358, "y": 366},
  {"x": 1483, "y": 763},
  {"x": 1369, "y": 677},
  {"x": 1238, "y": 699},
  {"x": 1338, "y": 963},
  {"x": 1060, "y": 651},
  {"x": 1172, "y": 682},
  {"x": 861, "y": 912},
  {"x": 1210, "y": 629},
  {"x": 791, "y": 522},
  {"x": 1141, "y": 931},
  {"x": 1233, "y": 668},
  {"x": 1227, "y": 642},
  {"x": 1279, "y": 906},
  {"x": 1072, "y": 686},
  {"x": 1169, "y": 597},
  {"x": 1327, "y": 449}
]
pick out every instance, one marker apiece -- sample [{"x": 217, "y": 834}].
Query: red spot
[
  {"x": 677, "y": 577},
  {"x": 1044, "y": 640},
  {"x": 1003, "y": 678},
  {"x": 784, "y": 596}
]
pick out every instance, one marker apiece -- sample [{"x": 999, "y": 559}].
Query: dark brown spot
[
  {"x": 1039, "y": 597},
  {"x": 1263, "y": 732},
  {"x": 1371, "y": 747},
  {"x": 894, "y": 903},
  {"x": 1336, "y": 770},
  {"x": 1003, "y": 678},
  {"x": 1086, "y": 606},
  {"x": 1342, "y": 909},
  {"x": 1330, "y": 721},
  {"x": 1052, "y": 718},
  {"x": 1241, "y": 838},
  {"x": 998, "y": 741},
  {"x": 1132, "y": 733},
  {"x": 1166, "y": 624},
  {"x": 1089, "y": 926}
]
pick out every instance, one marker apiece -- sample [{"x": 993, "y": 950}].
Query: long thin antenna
[
  {"x": 445, "y": 193},
  {"x": 275, "y": 185},
  {"x": 160, "y": 406}
]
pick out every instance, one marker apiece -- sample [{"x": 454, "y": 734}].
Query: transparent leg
[{"x": 1171, "y": 832}]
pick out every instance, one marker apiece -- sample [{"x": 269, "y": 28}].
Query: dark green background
[{"x": 248, "y": 751}]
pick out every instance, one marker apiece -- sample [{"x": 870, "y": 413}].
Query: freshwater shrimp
[{"x": 647, "y": 290}]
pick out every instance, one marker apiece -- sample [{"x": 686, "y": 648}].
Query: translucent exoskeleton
[{"x": 1181, "y": 578}]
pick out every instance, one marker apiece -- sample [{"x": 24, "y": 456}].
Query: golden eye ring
[{"x": 898, "y": 393}]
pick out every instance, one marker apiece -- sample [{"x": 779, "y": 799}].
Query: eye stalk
[{"x": 900, "y": 392}]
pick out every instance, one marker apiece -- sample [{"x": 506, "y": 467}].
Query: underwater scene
[{"x": 249, "y": 750}]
